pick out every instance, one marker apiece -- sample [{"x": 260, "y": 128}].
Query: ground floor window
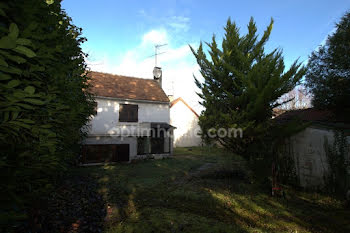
[
  {"x": 104, "y": 153},
  {"x": 157, "y": 143},
  {"x": 142, "y": 145}
]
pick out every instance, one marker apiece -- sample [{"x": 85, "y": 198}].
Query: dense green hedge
[
  {"x": 42, "y": 102},
  {"x": 328, "y": 75}
]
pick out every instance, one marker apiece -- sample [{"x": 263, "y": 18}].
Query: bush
[{"x": 42, "y": 102}]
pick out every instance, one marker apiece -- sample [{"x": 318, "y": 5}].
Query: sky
[{"x": 122, "y": 34}]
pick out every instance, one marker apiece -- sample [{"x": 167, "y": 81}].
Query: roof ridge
[
  {"x": 121, "y": 75},
  {"x": 172, "y": 103}
]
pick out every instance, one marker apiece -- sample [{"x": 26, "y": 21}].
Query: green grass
[{"x": 172, "y": 195}]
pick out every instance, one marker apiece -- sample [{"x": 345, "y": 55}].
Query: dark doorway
[
  {"x": 105, "y": 153},
  {"x": 157, "y": 141},
  {"x": 122, "y": 153}
]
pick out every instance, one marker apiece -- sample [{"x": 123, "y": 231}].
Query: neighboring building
[
  {"x": 185, "y": 119},
  {"x": 307, "y": 147},
  {"x": 132, "y": 120}
]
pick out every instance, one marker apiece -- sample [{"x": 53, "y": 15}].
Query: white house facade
[
  {"x": 132, "y": 120},
  {"x": 185, "y": 119}
]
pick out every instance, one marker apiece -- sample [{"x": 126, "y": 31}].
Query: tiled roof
[
  {"x": 123, "y": 87},
  {"x": 313, "y": 115},
  {"x": 309, "y": 114}
]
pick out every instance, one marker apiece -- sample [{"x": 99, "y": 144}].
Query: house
[
  {"x": 185, "y": 119},
  {"x": 132, "y": 120},
  {"x": 307, "y": 148}
]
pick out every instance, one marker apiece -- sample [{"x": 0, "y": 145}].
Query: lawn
[{"x": 206, "y": 190}]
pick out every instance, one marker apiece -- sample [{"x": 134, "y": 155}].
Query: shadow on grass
[
  {"x": 75, "y": 207},
  {"x": 272, "y": 214},
  {"x": 148, "y": 197}
]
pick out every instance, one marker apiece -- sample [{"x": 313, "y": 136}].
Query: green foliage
[
  {"x": 242, "y": 84},
  {"x": 337, "y": 177},
  {"x": 42, "y": 102},
  {"x": 328, "y": 76}
]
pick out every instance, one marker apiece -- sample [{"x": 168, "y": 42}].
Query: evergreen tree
[
  {"x": 241, "y": 85},
  {"x": 328, "y": 76}
]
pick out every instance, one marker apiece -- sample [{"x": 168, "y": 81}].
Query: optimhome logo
[
  {"x": 225, "y": 133},
  {"x": 140, "y": 130}
]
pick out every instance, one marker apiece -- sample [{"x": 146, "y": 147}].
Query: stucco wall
[
  {"x": 307, "y": 149},
  {"x": 108, "y": 115},
  {"x": 105, "y": 128},
  {"x": 186, "y": 123}
]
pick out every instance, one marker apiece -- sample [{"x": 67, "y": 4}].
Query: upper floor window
[{"x": 128, "y": 113}]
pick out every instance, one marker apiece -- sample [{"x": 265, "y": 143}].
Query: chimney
[{"x": 157, "y": 75}]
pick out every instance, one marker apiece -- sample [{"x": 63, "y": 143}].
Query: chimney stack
[{"x": 157, "y": 75}]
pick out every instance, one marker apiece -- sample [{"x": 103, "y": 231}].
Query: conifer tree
[
  {"x": 328, "y": 76},
  {"x": 242, "y": 83}
]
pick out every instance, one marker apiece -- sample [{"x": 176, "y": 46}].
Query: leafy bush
[{"x": 42, "y": 101}]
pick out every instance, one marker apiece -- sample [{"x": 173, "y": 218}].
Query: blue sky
[{"x": 121, "y": 34}]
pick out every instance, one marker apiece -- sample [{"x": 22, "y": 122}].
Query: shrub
[{"x": 42, "y": 102}]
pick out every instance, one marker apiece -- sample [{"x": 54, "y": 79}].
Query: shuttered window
[{"x": 128, "y": 113}]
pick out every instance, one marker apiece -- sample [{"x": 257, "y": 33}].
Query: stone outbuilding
[{"x": 308, "y": 147}]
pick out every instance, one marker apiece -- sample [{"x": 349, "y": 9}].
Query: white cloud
[
  {"x": 155, "y": 37},
  {"x": 179, "y": 23},
  {"x": 178, "y": 65}
]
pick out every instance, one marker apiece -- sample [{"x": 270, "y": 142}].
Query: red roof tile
[
  {"x": 123, "y": 87},
  {"x": 309, "y": 114}
]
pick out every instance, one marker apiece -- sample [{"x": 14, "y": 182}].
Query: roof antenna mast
[{"x": 156, "y": 47}]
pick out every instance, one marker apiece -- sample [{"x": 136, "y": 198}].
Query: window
[
  {"x": 104, "y": 153},
  {"x": 142, "y": 145},
  {"x": 128, "y": 113},
  {"x": 98, "y": 153}
]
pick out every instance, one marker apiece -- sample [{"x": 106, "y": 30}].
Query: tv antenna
[{"x": 156, "y": 53}]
